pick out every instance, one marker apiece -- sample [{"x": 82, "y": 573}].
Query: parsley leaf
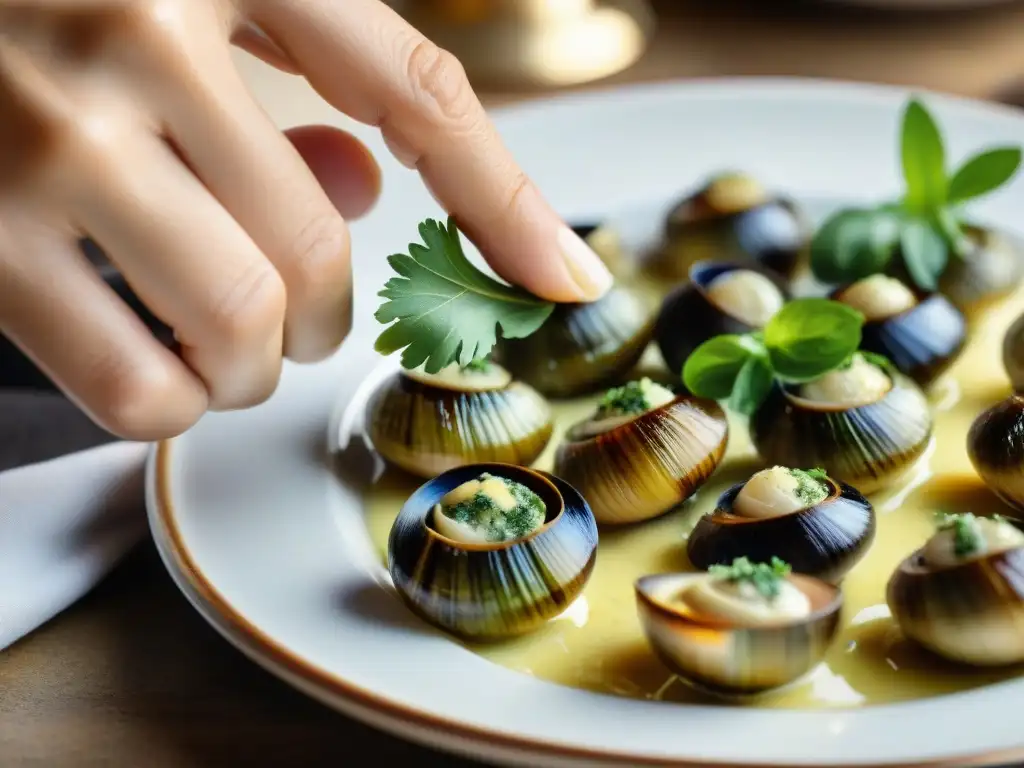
[{"x": 446, "y": 309}]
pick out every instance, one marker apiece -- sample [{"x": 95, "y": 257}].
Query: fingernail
[{"x": 585, "y": 267}]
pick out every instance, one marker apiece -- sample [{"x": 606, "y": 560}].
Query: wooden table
[{"x": 132, "y": 677}]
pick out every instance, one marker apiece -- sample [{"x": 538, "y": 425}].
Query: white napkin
[{"x": 64, "y": 522}]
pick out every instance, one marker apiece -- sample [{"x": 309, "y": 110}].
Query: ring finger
[{"x": 55, "y": 307}]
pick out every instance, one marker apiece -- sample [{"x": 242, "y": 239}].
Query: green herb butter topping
[
  {"x": 480, "y": 365},
  {"x": 964, "y": 536},
  {"x": 766, "y": 578},
  {"x": 633, "y": 399},
  {"x": 967, "y": 536},
  {"x": 811, "y": 487},
  {"x": 489, "y": 509}
]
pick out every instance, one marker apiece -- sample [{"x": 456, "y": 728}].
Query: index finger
[{"x": 368, "y": 62}]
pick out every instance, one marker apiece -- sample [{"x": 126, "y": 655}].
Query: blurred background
[{"x": 517, "y": 48}]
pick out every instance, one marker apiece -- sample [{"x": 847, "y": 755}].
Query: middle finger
[
  {"x": 259, "y": 177},
  {"x": 193, "y": 265}
]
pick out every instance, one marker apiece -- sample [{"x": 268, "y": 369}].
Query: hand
[{"x": 126, "y": 122}]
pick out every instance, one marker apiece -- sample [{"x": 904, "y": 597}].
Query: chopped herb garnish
[
  {"x": 480, "y": 365},
  {"x": 803, "y": 341},
  {"x": 634, "y": 397},
  {"x": 925, "y": 227},
  {"x": 481, "y": 512},
  {"x": 967, "y": 538},
  {"x": 879, "y": 361},
  {"x": 766, "y": 578},
  {"x": 629, "y": 398},
  {"x": 811, "y": 487},
  {"x": 446, "y": 309}
]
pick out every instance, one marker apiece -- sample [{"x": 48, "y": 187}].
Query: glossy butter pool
[{"x": 598, "y": 645}]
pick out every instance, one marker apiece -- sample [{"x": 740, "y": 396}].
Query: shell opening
[
  {"x": 487, "y": 510},
  {"x": 734, "y": 192},
  {"x": 858, "y": 383},
  {"x": 621, "y": 405},
  {"x": 477, "y": 376},
  {"x": 780, "y": 491},
  {"x": 747, "y": 295},
  {"x": 962, "y": 538},
  {"x": 878, "y": 297}
]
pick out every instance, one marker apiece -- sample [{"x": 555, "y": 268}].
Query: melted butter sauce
[{"x": 598, "y": 645}]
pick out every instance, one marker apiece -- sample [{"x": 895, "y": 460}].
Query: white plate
[{"x": 264, "y": 533}]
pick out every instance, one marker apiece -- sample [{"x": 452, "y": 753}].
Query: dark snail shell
[
  {"x": 689, "y": 317},
  {"x": 988, "y": 273},
  {"x": 824, "y": 540},
  {"x": 772, "y": 233},
  {"x": 647, "y": 466},
  {"x": 426, "y": 429},
  {"x": 868, "y": 446},
  {"x": 486, "y": 592},
  {"x": 972, "y": 613},
  {"x": 995, "y": 446},
  {"x": 922, "y": 342},
  {"x": 582, "y": 347},
  {"x": 736, "y": 660}
]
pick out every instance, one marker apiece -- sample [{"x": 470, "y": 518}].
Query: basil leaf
[
  {"x": 751, "y": 387},
  {"x": 952, "y": 231},
  {"x": 807, "y": 338},
  {"x": 711, "y": 369},
  {"x": 924, "y": 158},
  {"x": 925, "y": 253},
  {"x": 853, "y": 244},
  {"x": 983, "y": 173}
]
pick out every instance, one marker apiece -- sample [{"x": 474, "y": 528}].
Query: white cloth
[{"x": 64, "y": 523}]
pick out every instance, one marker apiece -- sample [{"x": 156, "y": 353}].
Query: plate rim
[
  {"x": 398, "y": 717},
  {"x": 273, "y": 657}
]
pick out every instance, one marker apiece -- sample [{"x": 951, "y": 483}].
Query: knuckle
[
  {"x": 319, "y": 259},
  {"x": 439, "y": 83},
  {"x": 142, "y": 402},
  {"x": 519, "y": 184},
  {"x": 254, "y": 308}
]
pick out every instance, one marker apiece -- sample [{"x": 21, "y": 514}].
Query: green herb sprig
[
  {"x": 631, "y": 397},
  {"x": 926, "y": 225},
  {"x": 966, "y": 536},
  {"x": 446, "y": 309},
  {"x": 766, "y": 578},
  {"x": 804, "y": 340}
]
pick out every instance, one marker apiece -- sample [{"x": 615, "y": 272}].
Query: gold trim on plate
[{"x": 488, "y": 741}]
